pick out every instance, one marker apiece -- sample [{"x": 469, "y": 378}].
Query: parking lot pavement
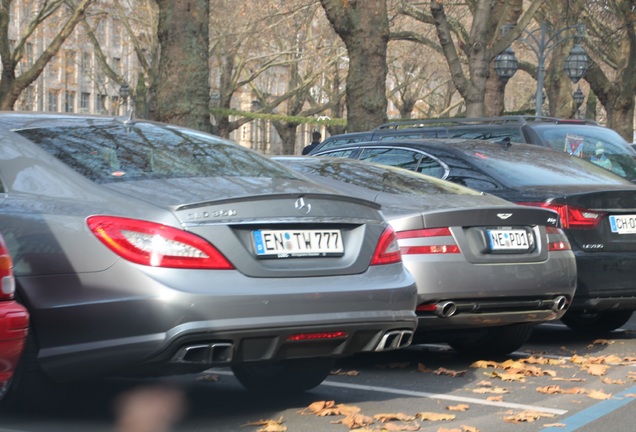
[{"x": 561, "y": 381}]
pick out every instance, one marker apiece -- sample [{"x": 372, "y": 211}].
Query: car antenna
[{"x": 505, "y": 142}]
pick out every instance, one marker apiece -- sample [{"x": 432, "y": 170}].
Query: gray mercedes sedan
[
  {"x": 147, "y": 249},
  {"x": 487, "y": 270}
]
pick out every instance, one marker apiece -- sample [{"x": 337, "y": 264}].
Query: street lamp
[
  {"x": 578, "y": 97},
  {"x": 124, "y": 93},
  {"x": 506, "y": 64},
  {"x": 541, "y": 42}
]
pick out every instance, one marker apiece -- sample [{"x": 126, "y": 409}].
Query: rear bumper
[
  {"x": 605, "y": 281},
  {"x": 225, "y": 317},
  {"x": 491, "y": 313},
  {"x": 14, "y": 323}
]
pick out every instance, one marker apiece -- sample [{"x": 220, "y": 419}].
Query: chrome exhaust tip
[
  {"x": 207, "y": 353},
  {"x": 559, "y": 303},
  {"x": 396, "y": 339},
  {"x": 445, "y": 309}
]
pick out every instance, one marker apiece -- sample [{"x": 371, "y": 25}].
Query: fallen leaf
[
  {"x": 397, "y": 416},
  {"x": 345, "y": 373},
  {"x": 452, "y": 373},
  {"x": 552, "y": 389},
  {"x": 270, "y": 425},
  {"x": 392, "y": 426},
  {"x": 469, "y": 428},
  {"x": 355, "y": 421},
  {"x": 631, "y": 395},
  {"x": 495, "y": 398},
  {"x": 207, "y": 378},
  {"x": 449, "y": 430},
  {"x": 422, "y": 368},
  {"x": 554, "y": 425},
  {"x": 484, "y": 384},
  {"x": 526, "y": 417},
  {"x": 484, "y": 364},
  {"x": 569, "y": 379},
  {"x": 495, "y": 390},
  {"x": 460, "y": 407},
  {"x": 596, "y": 369},
  {"x": 431, "y": 416},
  {"x": 508, "y": 376},
  {"x": 613, "y": 381},
  {"x": 599, "y": 395}
]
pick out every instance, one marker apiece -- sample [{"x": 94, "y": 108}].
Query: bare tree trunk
[
  {"x": 364, "y": 29},
  {"x": 183, "y": 88}
]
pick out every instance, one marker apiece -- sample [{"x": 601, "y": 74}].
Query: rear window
[
  {"x": 109, "y": 153},
  {"x": 382, "y": 178},
  {"x": 599, "y": 145},
  {"x": 534, "y": 166}
]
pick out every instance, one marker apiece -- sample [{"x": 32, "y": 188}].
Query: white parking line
[
  {"x": 425, "y": 395},
  {"x": 444, "y": 397}
]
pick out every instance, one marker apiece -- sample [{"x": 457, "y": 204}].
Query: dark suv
[{"x": 584, "y": 138}]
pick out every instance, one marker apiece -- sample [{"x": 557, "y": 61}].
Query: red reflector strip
[
  {"x": 316, "y": 336},
  {"x": 428, "y": 307},
  {"x": 559, "y": 246},
  {"x": 434, "y": 249}
]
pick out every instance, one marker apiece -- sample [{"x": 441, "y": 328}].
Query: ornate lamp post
[{"x": 541, "y": 41}]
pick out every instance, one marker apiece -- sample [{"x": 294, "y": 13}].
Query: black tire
[
  {"x": 596, "y": 322},
  {"x": 290, "y": 376},
  {"x": 496, "y": 341},
  {"x": 30, "y": 388}
]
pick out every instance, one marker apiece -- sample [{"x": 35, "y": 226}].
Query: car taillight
[
  {"x": 444, "y": 245},
  {"x": 157, "y": 245},
  {"x": 7, "y": 281},
  {"x": 557, "y": 241},
  {"x": 571, "y": 216},
  {"x": 387, "y": 251}
]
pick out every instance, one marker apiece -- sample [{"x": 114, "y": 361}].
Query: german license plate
[
  {"x": 297, "y": 243},
  {"x": 624, "y": 224},
  {"x": 509, "y": 240}
]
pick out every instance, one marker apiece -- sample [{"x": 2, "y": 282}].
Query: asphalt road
[{"x": 575, "y": 382}]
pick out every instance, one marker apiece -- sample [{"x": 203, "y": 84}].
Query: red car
[{"x": 14, "y": 321}]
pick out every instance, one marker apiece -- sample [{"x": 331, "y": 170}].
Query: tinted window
[
  {"x": 599, "y": 145},
  {"x": 401, "y": 158},
  {"x": 408, "y": 136},
  {"x": 117, "y": 153},
  {"x": 381, "y": 179},
  {"x": 486, "y": 133},
  {"x": 347, "y": 153},
  {"x": 527, "y": 166},
  {"x": 335, "y": 142}
]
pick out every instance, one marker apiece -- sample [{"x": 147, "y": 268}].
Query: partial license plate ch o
[
  {"x": 509, "y": 240},
  {"x": 623, "y": 224},
  {"x": 298, "y": 243}
]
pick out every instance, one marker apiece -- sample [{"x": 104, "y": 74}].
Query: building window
[
  {"x": 54, "y": 68},
  {"x": 86, "y": 67},
  {"x": 69, "y": 102},
  {"x": 85, "y": 102},
  {"x": 70, "y": 67},
  {"x": 52, "y": 100},
  {"x": 100, "y": 104}
]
